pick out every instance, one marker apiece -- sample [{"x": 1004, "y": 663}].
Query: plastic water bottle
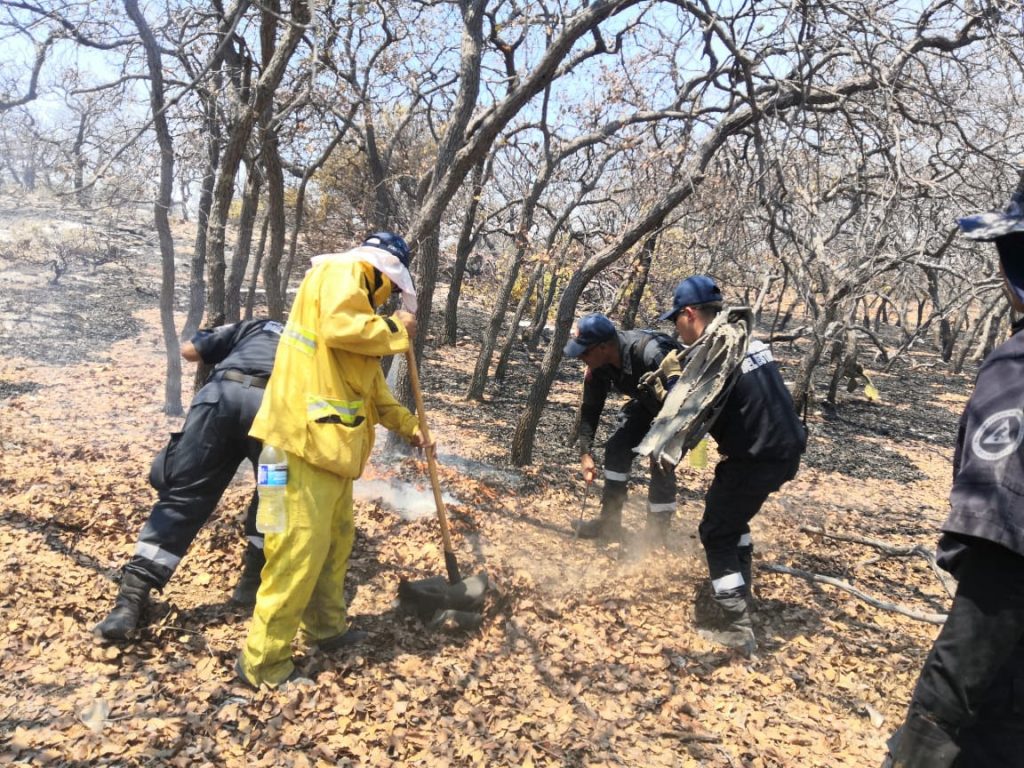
[{"x": 271, "y": 479}]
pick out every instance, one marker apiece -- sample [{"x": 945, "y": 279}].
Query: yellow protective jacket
[{"x": 327, "y": 391}]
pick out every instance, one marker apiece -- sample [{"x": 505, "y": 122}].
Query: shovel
[{"x": 433, "y": 600}]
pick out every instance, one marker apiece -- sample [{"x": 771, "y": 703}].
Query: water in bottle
[{"x": 271, "y": 479}]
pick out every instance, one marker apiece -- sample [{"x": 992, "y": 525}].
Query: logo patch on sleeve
[{"x": 999, "y": 435}]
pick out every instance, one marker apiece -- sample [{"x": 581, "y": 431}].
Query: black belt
[{"x": 247, "y": 379}]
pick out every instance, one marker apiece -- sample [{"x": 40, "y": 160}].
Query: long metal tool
[
  {"x": 451, "y": 564},
  {"x": 583, "y": 510}
]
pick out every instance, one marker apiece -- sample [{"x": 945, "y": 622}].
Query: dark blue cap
[
  {"x": 1006, "y": 228},
  {"x": 392, "y": 243},
  {"x": 699, "y": 289},
  {"x": 997, "y": 224},
  {"x": 590, "y": 330}
]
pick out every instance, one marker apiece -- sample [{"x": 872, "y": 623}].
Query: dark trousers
[
  {"x": 192, "y": 472},
  {"x": 737, "y": 493},
  {"x": 632, "y": 425},
  {"x": 972, "y": 684}
]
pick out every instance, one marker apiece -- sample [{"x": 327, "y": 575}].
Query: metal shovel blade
[{"x": 425, "y": 597}]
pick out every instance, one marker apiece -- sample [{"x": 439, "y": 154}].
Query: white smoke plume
[{"x": 409, "y": 501}]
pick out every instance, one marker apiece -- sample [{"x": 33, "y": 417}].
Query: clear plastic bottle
[{"x": 271, "y": 479}]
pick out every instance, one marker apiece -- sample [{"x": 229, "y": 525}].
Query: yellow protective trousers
[{"x": 303, "y": 582}]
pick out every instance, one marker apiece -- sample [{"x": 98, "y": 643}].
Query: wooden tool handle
[{"x": 449, "y": 555}]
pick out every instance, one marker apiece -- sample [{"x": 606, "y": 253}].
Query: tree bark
[
  {"x": 243, "y": 243},
  {"x": 161, "y": 209},
  {"x": 232, "y": 157},
  {"x": 638, "y": 284},
  {"x": 462, "y": 251},
  {"x": 250, "y": 299}
]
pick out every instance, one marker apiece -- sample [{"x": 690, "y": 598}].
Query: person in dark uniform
[
  {"x": 194, "y": 469},
  {"x": 617, "y": 360},
  {"x": 967, "y": 708},
  {"x": 760, "y": 438}
]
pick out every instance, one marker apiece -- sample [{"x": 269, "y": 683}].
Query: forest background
[{"x": 544, "y": 160}]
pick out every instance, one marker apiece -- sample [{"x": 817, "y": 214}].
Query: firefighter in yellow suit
[{"x": 326, "y": 395}]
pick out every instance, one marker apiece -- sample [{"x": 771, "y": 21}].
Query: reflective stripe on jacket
[{"x": 328, "y": 392}]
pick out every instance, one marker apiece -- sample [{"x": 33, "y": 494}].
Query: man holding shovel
[{"x": 326, "y": 395}]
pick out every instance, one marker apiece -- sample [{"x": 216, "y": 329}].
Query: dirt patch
[{"x": 69, "y": 285}]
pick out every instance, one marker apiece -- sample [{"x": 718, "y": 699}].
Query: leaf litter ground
[{"x": 587, "y": 655}]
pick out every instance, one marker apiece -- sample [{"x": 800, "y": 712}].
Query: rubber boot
[
  {"x": 707, "y": 614},
  {"x": 607, "y": 527},
  {"x": 132, "y": 596},
  {"x": 746, "y": 555},
  {"x": 249, "y": 582},
  {"x": 921, "y": 743},
  {"x": 737, "y": 630}
]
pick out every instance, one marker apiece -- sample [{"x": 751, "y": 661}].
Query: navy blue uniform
[
  {"x": 972, "y": 684},
  {"x": 761, "y": 439},
  {"x": 193, "y": 470},
  {"x": 639, "y": 352}
]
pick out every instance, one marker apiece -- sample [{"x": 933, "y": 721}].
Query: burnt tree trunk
[
  {"x": 243, "y": 243},
  {"x": 254, "y": 277},
  {"x": 161, "y": 209},
  {"x": 638, "y": 284},
  {"x": 462, "y": 251}
]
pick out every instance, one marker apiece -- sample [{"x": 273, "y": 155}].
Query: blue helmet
[{"x": 392, "y": 243}]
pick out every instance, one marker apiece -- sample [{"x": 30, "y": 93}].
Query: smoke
[{"x": 409, "y": 501}]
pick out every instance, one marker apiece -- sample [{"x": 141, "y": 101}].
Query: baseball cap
[
  {"x": 996, "y": 224},
  {"x": 392, "y": 243},
  {"x": 699, "y": 289},
  {"x": 1006, "y": 228},
  {"x": 589, "y": 331}
]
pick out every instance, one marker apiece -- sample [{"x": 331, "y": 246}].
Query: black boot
[
  {"x": 736, "y": 630},
  {"x": 747, "y": 569},
  {"x": 607, "y": 527},
  {"x": 707, "y": 614},
  {"x": 132, "y": 597},
  {"x": 921, "y": 743},
  {"x": 249, "y": 582}
]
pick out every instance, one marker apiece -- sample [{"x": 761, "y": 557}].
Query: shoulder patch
[
  {"x": 758, "y": 354},
  {"x": 999, "y": 435},
  {"x": 272, "y": 326}
]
